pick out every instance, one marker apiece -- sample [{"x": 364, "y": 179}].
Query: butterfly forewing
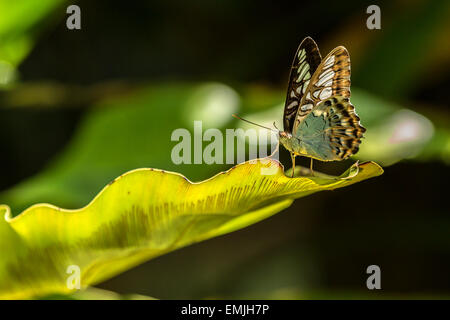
[
  {"x": 331, "y": 78},
  {"x": 306, "y": 60}
]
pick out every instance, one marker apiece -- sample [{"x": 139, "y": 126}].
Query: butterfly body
[{"x": 319, "y": 120}]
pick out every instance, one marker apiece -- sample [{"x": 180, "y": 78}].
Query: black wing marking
[{"x": 306, "y": 60}]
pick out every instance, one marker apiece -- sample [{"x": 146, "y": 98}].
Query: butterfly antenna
[{"x": 237, "y": 117}]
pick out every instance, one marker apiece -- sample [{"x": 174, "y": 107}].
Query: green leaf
[
  {"x": 141, "y": 215},
  {"x": 122, "y": 133}
]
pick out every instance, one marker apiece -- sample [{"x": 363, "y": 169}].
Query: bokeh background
[{"x": 80, "y": 107}]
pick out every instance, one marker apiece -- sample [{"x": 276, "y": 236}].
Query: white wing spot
[
  {"x": 293, "y": 94},
  {"x": 326, "y": 93},
  {"x": 300, "y": 67},
  {"x": 306, "y": 107},
  {"x": 326, "y": 73},
  {"x": 328, "y": 76},
  {"x": 301, "y": 54},
  {"x": 305, "y": 85},
  {"x": 316, "y": 93},
  {"x": 329, "y": 62},
  {"x": 302, "y": 70},
  {"x": 292, "y": 104}
]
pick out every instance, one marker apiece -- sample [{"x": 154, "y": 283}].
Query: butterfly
[{"x": 319, "y": 121}]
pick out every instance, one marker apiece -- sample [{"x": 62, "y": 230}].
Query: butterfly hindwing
[
  {"x": 306, "y": 60},
  {"x": 332, "y": 131},
  {"x": 331, "y": 78}
]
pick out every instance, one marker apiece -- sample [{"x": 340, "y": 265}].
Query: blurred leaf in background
[
  {"x": 141, "y": 215},
  {"x": 130, "y": 132},
  {"x": 92, "y": 104},
  {"x": 413, "y": 48}
]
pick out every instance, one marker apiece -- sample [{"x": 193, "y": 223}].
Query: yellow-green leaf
[{"x": 141, "y": 215}]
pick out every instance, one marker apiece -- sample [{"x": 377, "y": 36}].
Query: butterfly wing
[
  {"x": 306, "y": 60},
  {"x": 332, "y": 130},
  {"x": 331, "y": 78}
]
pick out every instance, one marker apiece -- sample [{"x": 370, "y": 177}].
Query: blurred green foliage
[
  {"x": 399, "y": 85},
  {"x": 395, "y": 62},
  {"x": 20, "y": 21},
  {"x": 124, "y": 133}
]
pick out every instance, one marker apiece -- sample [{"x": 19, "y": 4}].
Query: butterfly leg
[
  {"x": 311, "y": 167},
  {"x": 276, "y": 149},
  {"x": 293, "y": 164}
]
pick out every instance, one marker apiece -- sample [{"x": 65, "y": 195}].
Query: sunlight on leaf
[{"x": 141, "y": 215}]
